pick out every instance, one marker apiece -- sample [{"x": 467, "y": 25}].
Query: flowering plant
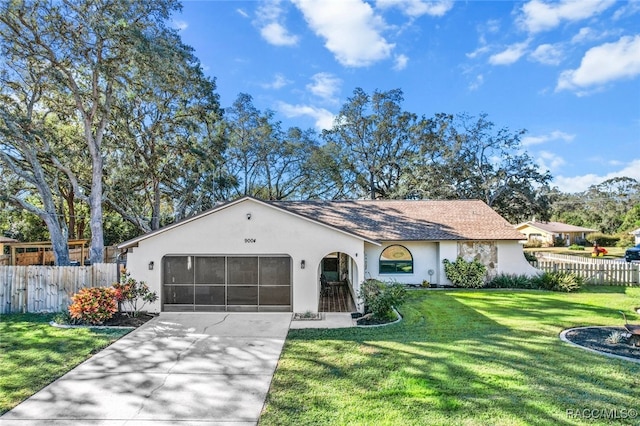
[
  {"x": 93, "y": 305},
  {"x": 130, "y": 293}
]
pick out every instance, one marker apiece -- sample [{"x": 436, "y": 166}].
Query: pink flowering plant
[{"x": 133, "y": 295}]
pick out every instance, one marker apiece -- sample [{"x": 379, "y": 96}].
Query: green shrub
[
  {"x": 626, "y": 240},
  {"x": 511, "y": 281},
  {"x": 93, "y": 305},
  {"x": 531, "y": 257},
  {"x": 465, "y": 274},
  {"x": 380, "y": 298},
  {"x": 559, "y": 242},
  {"x": 558, "y": 281},
  {"x": 576, "y": 247},
  {"x": 604, "y": 240}
]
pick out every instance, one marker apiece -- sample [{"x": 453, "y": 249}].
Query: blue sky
[{"x": 566, "y": 71}]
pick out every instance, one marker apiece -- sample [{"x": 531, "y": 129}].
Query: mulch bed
[
  {"x": 120, "y": 319},
  {"x": 595, "y": 338}
]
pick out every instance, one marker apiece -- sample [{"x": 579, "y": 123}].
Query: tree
[
  {"x": 87, "y": 49},
  {"x": 28, "y": 140},
  {"x": 165, "y": 126},
  {"x": 466, "y": 157},
  {"x": 376, "y": 132}
]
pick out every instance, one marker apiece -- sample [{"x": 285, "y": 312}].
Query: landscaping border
[{"x": 563, "y": 337}]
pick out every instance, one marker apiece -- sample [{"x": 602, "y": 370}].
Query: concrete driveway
[{"x": 186, "y": 368}]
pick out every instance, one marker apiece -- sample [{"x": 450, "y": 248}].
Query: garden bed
[{"x": 595, "y": 338}]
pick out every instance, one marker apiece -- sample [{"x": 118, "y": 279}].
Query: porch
[{"x": 336, "y": 298}]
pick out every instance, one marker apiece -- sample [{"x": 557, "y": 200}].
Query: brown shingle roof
[
  {"x": 391, "y": 220},
  {"x": 556, "y": 227}
]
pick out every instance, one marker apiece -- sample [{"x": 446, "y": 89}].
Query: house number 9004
[{"x": 249, "y": 240}]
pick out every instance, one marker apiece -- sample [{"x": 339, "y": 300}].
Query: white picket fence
[
  {"x": 49, "y": 288},
  {"x": 618, "y": 273},
  {"x": 567, "y": 258}
]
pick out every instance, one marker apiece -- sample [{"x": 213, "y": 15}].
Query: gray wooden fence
[
  {"x": 49, "y": 288},
  {"x": 627, "y": 274}
]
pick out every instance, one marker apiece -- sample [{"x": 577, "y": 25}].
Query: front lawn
[
  {"x": 34, "y": 354},
  {"x": 612, "y": 252},
  {"x": 467, "y": 357}
]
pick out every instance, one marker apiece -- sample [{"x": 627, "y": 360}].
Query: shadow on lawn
[{"x": 450, "y": 361}]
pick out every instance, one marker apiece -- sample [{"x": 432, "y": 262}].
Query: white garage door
[{"x": 226, "y": 283}]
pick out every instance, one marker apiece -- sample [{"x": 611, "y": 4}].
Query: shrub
[
  {"x": 465, "y": 274},
  {"x": 559, "y": 242},
  {"x": 130, "y": 292},
  {"x": 626, "y": 240},
  {"x": 616, "y": 337},
  {"x": 558, "y": 281},
  {"x": 604, "y": 240},
  {"x": 380, "y": 297},
  {"x": 576, "y": 247},
  {"x": 533, "y": 243},
  {"x": 93, "y": 305},
  {"x": 531, "y": 257},
  {"x": 510, "y": 281}
]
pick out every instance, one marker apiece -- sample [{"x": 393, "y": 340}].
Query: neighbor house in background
[
  {"x": 547, "y": 232},
  {"x": 254, "y": 255},
  {"x": 636, "y": 236}
]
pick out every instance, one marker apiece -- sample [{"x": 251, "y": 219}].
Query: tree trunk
[{"x": 96, "y": 250}]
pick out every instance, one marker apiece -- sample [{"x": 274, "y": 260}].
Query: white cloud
[
  {"x": 550, "y": 161},
  {"x": 325, "y": 85},
  {"x": 351, "y": 30},
  {"x": 556, "y": 135},
  {"x": 272, "y": 29},
  {"x": 279, "y": 81},
  {"x": 510, "y": 55},
  {"x": 323, "y": 118},
  {"x": 582, "y": 183},
  {"x": 603, "y": 64},
  {"x": 628, "y": 9},
  {"x": 417, "y": 8},
  {"x": 276, "y": 34},
  {"x": 547, "y": 54},
  {"x": 180, "y": 25},
  {"x": 537, "y": 15},
  {"x": 475, "y": 84},
  {"x": 400, "y": 62},
  {"x": 242, "y": 13}
]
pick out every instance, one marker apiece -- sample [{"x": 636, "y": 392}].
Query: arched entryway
[{"x": 337, "y": 274}]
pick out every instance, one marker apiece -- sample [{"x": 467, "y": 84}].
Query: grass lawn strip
[
  {"x": 459, "y": 357},
  {"x": 34, "y": 354}
]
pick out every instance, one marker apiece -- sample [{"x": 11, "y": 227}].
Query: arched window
[{"x": 396, "y": 260}]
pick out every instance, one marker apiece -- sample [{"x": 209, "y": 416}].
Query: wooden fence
[
  {"x": 49, "y": 288},
  {"x": 618, "y": 273}
]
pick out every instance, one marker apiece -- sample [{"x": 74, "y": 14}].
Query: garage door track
[{"x": 187, "y": 368}]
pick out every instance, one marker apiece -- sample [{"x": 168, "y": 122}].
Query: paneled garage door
[{"x": 226, "y": 283}]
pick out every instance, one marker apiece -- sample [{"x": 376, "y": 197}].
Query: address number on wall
[{"x": 249, "y": 240}]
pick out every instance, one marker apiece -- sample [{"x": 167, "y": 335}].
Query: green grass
[
  {"x": 612, "y": 252},
  {"x": 34, "y": 354},
  {"x": 465, "y": 357}
]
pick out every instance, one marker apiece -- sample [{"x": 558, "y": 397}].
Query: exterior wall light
[
  {"x": 248, "y": 216},
  {"x": 151, "y": 265},
  {"x": 302, "y": 264}
]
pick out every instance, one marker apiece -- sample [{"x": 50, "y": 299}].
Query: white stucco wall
[
  {"x": 511, "y": 259},
  {"x": 425, "y": 257},
  {"x": 228, "y": 232}
]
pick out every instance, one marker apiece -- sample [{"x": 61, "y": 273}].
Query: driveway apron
[{"x": 186, "y": 368}]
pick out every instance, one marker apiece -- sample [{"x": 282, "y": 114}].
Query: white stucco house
[
  {"x": 636, "y": 235},
  {"x": 255, "y": 255}
]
